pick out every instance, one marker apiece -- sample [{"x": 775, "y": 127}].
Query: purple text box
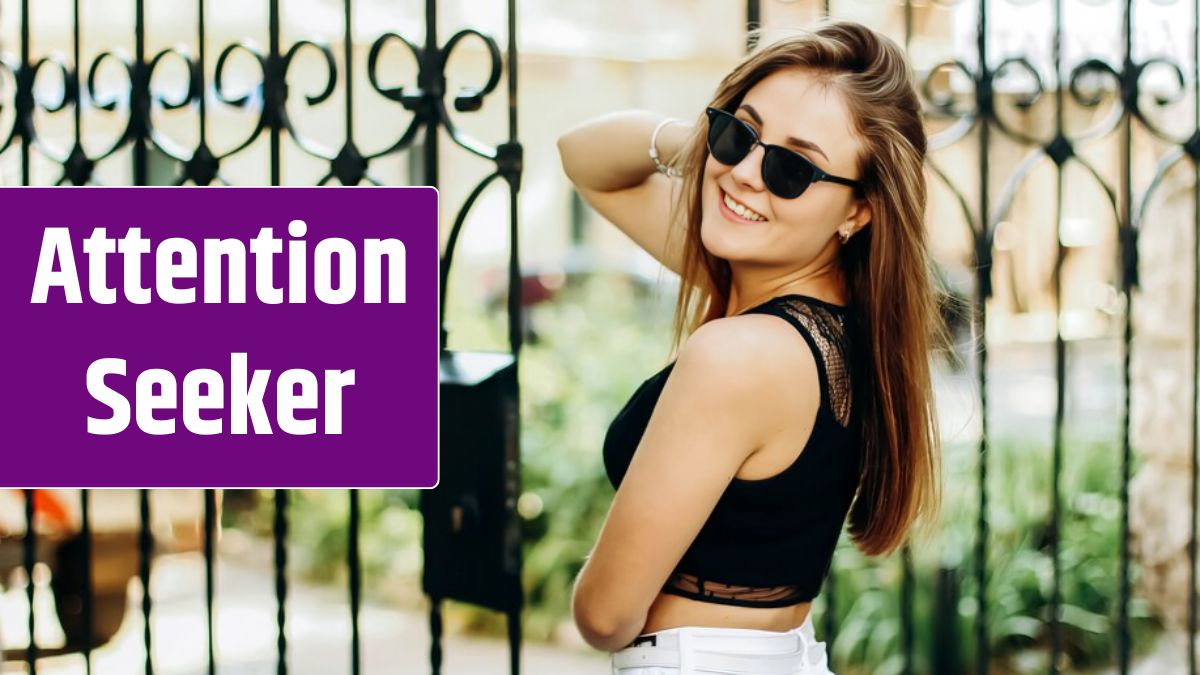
[{"x": 389, "y": 431}]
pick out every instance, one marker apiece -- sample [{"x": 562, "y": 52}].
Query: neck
[{"x": 754, "y": 284}]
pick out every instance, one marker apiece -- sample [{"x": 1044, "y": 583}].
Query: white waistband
[{"x": 701, "y": 649}]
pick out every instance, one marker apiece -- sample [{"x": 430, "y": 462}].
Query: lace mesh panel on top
[
  {"x": 828, "y": 330},
  {"x": 684, "y": 584}
]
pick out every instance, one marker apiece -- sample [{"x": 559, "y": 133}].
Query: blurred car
[{"x": 177, "y": 525}]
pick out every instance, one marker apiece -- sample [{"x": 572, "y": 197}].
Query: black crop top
[{"x": 769, "y": 542}]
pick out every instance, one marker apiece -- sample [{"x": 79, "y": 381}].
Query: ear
[{"x": 859, "y": 217}]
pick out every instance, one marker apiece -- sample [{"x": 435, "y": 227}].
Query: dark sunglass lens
[
  {"x": 785, "y": 173},
  {"x": 728, "y": 139}
]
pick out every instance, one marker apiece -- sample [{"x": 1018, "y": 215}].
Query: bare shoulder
[{"x": 756, "y": 361}]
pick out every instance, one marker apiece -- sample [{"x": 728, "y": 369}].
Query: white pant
[{"x": 697, "y": 650}]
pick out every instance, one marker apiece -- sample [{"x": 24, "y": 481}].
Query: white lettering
[
  {"x": 97, "y": 247},
  {"x": 376, "y": 250},
  {"x": 132, "y": 246},
  {"x": 264, "y": 247},
  {"x": 166, "y": 270},
  {"x": 194, "y": 401},
  {"x": 245, "y": 397},
  {"x": 148, "y": 401},
  {"x": 214, "y": 250},
  {"x": 115, "y": 402},
  {"x": 56, "y": 243},
  {"x": 157, "y": 390},
  {"x": 223, "y": 268},
  {"x": 287, "y": 401}
]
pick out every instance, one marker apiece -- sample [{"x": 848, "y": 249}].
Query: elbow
[
  {"x": 602, "y": 626},
  {"x": 565, "y": 147}
]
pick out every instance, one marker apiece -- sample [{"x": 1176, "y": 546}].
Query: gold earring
[{"x": 845, "y": 236}]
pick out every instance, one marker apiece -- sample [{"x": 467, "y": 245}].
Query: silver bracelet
[{"x": 668, "y": 171}]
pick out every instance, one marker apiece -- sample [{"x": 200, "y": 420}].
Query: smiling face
[{"x": 790, "y": 108}]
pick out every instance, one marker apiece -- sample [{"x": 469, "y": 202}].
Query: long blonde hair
[{"x": 887, "y": 269}]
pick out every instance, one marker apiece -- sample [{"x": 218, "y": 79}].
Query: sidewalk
[{"x": 393, "y": 641}]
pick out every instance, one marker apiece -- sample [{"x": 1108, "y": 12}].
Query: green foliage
[
  {"x": 602, "y": 339},
  {"x": 1019, "y": 569}
]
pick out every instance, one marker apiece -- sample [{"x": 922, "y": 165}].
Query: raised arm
[{"x": 607, "y": 159}]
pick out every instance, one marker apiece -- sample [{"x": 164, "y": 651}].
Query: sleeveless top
[{"x": 769, "y": 542}]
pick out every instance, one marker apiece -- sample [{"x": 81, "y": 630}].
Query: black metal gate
[
  {"x": 979, "y": 119},
  {"x": 157, "y": 159}
]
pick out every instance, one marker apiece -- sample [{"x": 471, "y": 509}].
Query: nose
[{"x": 748, "y": 172}]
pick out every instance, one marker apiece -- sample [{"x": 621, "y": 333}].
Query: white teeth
[{"x": 741, "y": 210}]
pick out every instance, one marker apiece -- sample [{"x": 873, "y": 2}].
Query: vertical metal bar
[
  {"x": 352, "y": 561},
  {"x": 30, "y": 555},
  {"x": 753, "y": 22},
  {"x": 983, "y": 104},
  {"x": 1128, "y": 253},
  {"x": 274, "y": 83},
  {"x": 1057, "y": 459},
  {"x": 210, "y": 554},
  {"x": 24, "y": 102},
  {"x": 515, "y": 303},
  {"x": 431, "y": 77},
  {"x": 1195, "y": 482},
  {"x": 515, "y": 306},
  {"x": 430, "y": 81},
  {"x": 512, "y": 74},
  {"x": 200, "y": 73},
  {"x": 73, "y": 83},
  {"x": 85, "y": 531},
  {"x": 139, "y": 97},
  {"x": 908, "y": 26},
  {"x": 435, "y": 635},
  {"x": 145, "y": 550},
  {"x": 945, "y": 657},
  {"x": 1059, "y": 365},
  {"x": 348, "y": 52},
  {"x": 281, "y": 588}
]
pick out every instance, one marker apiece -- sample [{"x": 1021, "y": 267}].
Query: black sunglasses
[{"x": 785, "y": 172}]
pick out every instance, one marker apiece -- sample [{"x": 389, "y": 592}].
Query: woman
[{"x": 793, "y": 213}]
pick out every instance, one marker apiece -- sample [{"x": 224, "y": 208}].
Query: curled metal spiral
[
  {"x": 304, "y": 144},
  {"x": 111, "y": 104},
  {"x": 69, "y": 96},
  {"x": 411, "y": 100},
  {"x": 1090, "y": 98},
  {"x": 942, "y": 104},
  {"x": 9, "y": 66},
  {"x": 1024, "y": 101},
  {"x": 192, "y": 92},
  {"x": 243, "y": 100},
  {"x": 470, "y": 98},
  {"x": 108, "y": 104},
  {"x": 1160, "y": 100}
]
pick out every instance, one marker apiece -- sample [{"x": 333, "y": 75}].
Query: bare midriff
[{"x": 672, "y": 611}]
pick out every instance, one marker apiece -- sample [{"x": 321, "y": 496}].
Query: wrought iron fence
[
  {"x": 159, "y": 159},
  {"x": 976, "y": 119}
]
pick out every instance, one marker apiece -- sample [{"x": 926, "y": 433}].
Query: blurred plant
[
  {"x": 601, "y": 338},
  {"x": 1019, "y": 571}
]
